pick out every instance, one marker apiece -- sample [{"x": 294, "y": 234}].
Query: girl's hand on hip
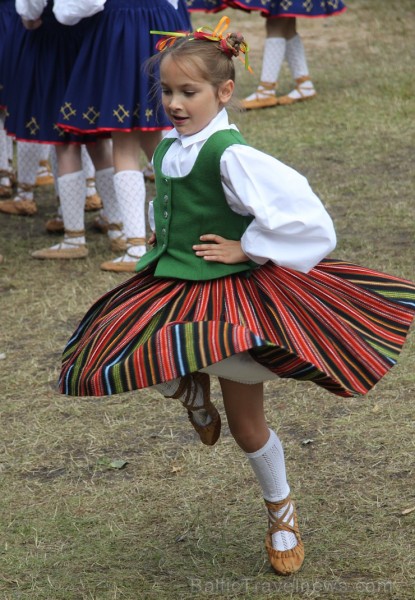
[{"x": 218, "y": 249}]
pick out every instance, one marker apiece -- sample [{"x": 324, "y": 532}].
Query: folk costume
[
  {"x": 8, "y": 18},
  {"x": 110, "y": 91},
  {"x": 289, "y": 312}
]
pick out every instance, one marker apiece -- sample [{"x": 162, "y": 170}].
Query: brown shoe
[
  {"x": 59, "y": 253},
  {"x": 122, "y": 266},
  {"x": 209, "y": 434},
  {"x": 55, "y": 225},
  {"x": 23, "y": 208},
  {"x": 44, "y": 176},
  {"x": 288, "y": 100},
  {"x": 284, "y": 562},
  {"x": 264, "y": 97},
  {"x": 93, "y": 203},
  {"x": 117, "y": 244},
  {"x": 101, "y": 224},
  {"x": 6, "y": 191}
]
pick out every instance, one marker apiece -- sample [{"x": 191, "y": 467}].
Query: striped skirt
[{"x": 340, "y": 326}]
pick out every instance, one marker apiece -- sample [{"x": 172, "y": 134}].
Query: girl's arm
[{"x": 291, "y": 227}]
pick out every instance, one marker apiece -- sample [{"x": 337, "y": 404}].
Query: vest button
[
  {"x": 166, "y": 198},
  {"x": 165, "y": 214}
]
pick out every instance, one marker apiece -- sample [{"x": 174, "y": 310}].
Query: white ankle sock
[
  {"x": 169, "y": 388},
  {"x": 268, "y": 465},
  {"x": 72, "y": 192}
]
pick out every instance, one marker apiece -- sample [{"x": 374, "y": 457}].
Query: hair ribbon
[{"x": 208, "y": 34}]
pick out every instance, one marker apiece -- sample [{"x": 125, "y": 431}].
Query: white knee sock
[
  {"x": 104, "y": 179},
  {"x": 4, "y": 159},
  {"x": 72, "y": 191},
  {"x": 297, "y": 62},
  {"x": 28, "y": 156},
  {"x": 131, "y": 196},
  {"x": 268, "y": 465},
  {"x": 274, "y": 52}
]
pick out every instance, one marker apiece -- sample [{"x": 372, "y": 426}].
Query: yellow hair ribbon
[{"x": 206, "y": 33}]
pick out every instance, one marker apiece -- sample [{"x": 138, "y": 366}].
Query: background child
[
  {"x": 109, "y": 92},
  {"x": 282, "y": 42},
  {"x": 236, "y": 286}
]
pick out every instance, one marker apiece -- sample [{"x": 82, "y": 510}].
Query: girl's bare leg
[{"x": 244, "y": 406}]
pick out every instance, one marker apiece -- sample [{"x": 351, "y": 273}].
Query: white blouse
[
  {"x": 291, "y": 227},
  {"x": 67, "y": 12}
]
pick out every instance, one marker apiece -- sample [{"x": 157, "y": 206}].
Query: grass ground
[{"x": 179, "y": 520}]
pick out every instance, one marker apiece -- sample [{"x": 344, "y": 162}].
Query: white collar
[{"x": 221, "y": 121}]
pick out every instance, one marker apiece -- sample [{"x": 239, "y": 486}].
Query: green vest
[{"x": 187, "y": 207}]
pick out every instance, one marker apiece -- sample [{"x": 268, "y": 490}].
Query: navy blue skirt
[
  {"x": 109, "y": 89},
  {"x": 8, "y": 20},
  {"x": 38, "y": 67},
  {"x": 273, "y": 8}
]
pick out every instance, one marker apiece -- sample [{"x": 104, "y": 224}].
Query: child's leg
[
  {"x": 27, "y": 166},
  {"x": 194, "y": 392},
  {"x": 297, "y": 63},
  {"x": 278, "y": 30},
  {"x": 131, "y": 195},
  {"x": 72, "y": 192},
  {"x": 245, "y": 412}
]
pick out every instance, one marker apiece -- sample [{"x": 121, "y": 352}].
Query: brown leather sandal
[
  {"x": 264, "y": 97},
  {"x": 64, "y": 253},
  {"x": 209, "y": 434},
  {"x": 284, "y": 562},
  {"x": 287, "y": 100}
]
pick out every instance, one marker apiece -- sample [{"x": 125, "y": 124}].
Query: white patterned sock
[
  {"x": 28, "y": 156},
  {"x": 4, "y": 159},
  {"x": 297, "y": 62},
  {"x": 273, "y": 57},
  {"x": 72, "y": 197},
  {"x": 268, "y": 465},
  {"x": 274, "y": 53},
  {"x": 131, "y": 195}
]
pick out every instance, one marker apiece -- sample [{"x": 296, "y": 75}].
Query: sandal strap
[
  {"x": 138, "y": 241},
  {"x": 279, "y": 523},
  {"x": 25, "y": 187},
  {"x": 74, "y": 234},
  {"x": 114, "y": 226},
  {"x": 267, "y": 85}
]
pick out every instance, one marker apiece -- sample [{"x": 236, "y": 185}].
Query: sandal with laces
[
  {"x": 209, "y": 434},
  {"x": 123, "y": 264},
  {"x": 302, "y": 95},
  {"x": 284, "y": 562},
  {"x": 62, "y": 251},
  {"x": 263, "y": 97}
]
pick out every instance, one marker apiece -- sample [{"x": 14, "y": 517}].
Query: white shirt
[
  {"x": 291, "y": 227},
  {"x": 67, "y": 12}
]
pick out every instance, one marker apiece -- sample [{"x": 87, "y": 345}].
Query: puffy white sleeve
[
  {"x": 30, "y": 9},
  {"x": 174, "y": 3},
  {"x": 291, "y": 227},
  {"x": 70, "y": 12}
]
